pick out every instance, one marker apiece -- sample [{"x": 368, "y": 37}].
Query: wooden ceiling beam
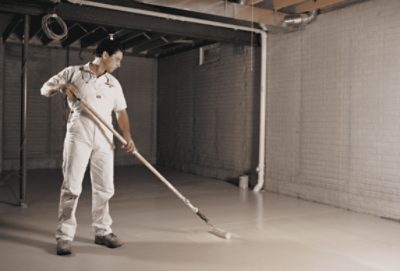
[
  {"x": 122, "y": 38},
  {"x": 146, "y": 46},
  {"x": 266, "y": 16},
  {"x": 170, "y": 41},
  {"x": 228, "y": 9},
  {"x": 135, "y": 41},
  {"x": 147, "y": 23},
  {"x": 95, "y": 36},
  {"x": 149, "y": 48},
  {"x": 5, "y": 20},
  {"x": 12, "y": 26},
  {"x": 180, "y": 48},
  {"x": 315, "y": 4},
  {"x": 254, "y": 2},
  {"x": 75, "y": 32},
  {"x": 35, "y": 26},
  {"x": 279, "y": 4}
]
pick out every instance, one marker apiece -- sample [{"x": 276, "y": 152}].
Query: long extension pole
[{"x": 214, "y": 230}]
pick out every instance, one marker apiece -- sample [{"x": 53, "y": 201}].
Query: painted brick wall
[
  {"x": 333, "y": 133},
  {"x": 46, "y": 117},
  {"x": 1, "y": 103},
  {"x": 138, "y": 77},
  {"x": 208, "y": 115}
]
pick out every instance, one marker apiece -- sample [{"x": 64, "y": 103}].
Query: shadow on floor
[
  {"x": 167, "y": 251},
  {"x": 32, "y": 236},
  {"x": 49, "y": 247}
]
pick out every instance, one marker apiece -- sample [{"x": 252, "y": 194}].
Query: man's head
[{"x": 110, "y": 53}]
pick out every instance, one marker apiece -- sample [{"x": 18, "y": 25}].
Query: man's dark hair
[{"x": 109, "y": 46}]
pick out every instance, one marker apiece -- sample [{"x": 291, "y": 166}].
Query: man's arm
[
  {"x": 123, "y": 122},
  {"x": 60, "y": 83},
  {"x": 51, "y": 89}
]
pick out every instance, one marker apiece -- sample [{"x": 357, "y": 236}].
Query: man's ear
[{"x": 105, "y": 55}]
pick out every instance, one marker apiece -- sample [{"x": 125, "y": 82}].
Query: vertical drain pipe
[
  {"x": 263, "y": 83},
  {"x": 263, "y": 107},
  {"x": 24, "y": 112}
]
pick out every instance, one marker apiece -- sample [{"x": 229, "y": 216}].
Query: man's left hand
[{"x": 130, "y": 146}]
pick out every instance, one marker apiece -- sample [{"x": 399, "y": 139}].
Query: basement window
[{"x": 209, "y": 54}]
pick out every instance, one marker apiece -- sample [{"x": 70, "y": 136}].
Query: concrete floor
[{"x": 271, "y": 232}]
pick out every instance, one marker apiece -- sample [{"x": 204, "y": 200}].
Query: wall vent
[{"x": 209, "y": 54}]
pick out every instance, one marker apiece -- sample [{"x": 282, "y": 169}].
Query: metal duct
[{"x": 297, "y": 20}]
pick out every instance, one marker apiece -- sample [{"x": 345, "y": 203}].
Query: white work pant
[{"x": 77, "y": 154}]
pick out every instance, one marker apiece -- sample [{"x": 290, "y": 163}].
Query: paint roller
[{"x": 213, "y": 230}]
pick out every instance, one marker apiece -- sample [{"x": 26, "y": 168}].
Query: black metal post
[{"x": 24, "y": 114}]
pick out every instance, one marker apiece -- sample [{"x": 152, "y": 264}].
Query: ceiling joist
[
  {"x": 35, "y": 26},
  {"x": 5, "y": 20},
  {"x": 247, "y": 13},
  {"x": 12, "y": 25},
  {"x": 149, "y": 48},
  {"x": 123, "y": 38},
  {"x": 95, "y": 36},
  {"x": 75, "y": 32},
  {"x": 44, "y": 39},
  {"x": 179, "y": 48},
  {"x": 151, "y": 44},
  {"x": 136, "y": 41},
  {"x": 314, "y": 5},
  {"x": 280, "y": 4},
  {"x": 265, "y": 16},
  {"x": 254, "y": 2},
  {"x": 152, "y": 36},
  {"x": 126, "y": 20}
]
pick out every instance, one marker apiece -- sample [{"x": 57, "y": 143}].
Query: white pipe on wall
[
  {"x": 263, "y": 84},
  {"x": 263, "y": 107}
]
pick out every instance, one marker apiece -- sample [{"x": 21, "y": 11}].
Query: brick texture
[
  {"x": 333, "y": 132},
  {"x": 208, "y": 115},
  {"x": 46, "y": 116}
]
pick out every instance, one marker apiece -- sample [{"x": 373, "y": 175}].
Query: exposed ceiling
[
  {"x": 268, "y": 12},
  {"x": 151, "y": 36}
]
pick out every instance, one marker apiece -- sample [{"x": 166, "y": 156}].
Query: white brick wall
[
  {"x": 207, "y": 114},
  {"x": 333, "y": 132},
  {"x": 46, "y": 120}
]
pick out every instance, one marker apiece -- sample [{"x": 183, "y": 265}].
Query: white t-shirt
[{"x": 104, "y": 94}]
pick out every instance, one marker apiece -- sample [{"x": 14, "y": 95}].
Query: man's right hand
[{"x": 70, "y": 91}]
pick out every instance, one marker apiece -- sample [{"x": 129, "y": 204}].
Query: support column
[
  {"x": 2, "y": 61},
  {"x": 24, "y": 114}
]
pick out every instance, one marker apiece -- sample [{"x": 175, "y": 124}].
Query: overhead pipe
[
  {"x": 263, "y": 82},
  {"x": 297, "y": 20}
]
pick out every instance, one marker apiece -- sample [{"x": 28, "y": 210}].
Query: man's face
[{"x": 113, "y": 62}]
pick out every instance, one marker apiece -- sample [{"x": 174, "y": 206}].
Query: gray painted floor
[{"x": 271, "y": 232}]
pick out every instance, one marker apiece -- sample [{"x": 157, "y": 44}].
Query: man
[{"x": 86, "y": 140}]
